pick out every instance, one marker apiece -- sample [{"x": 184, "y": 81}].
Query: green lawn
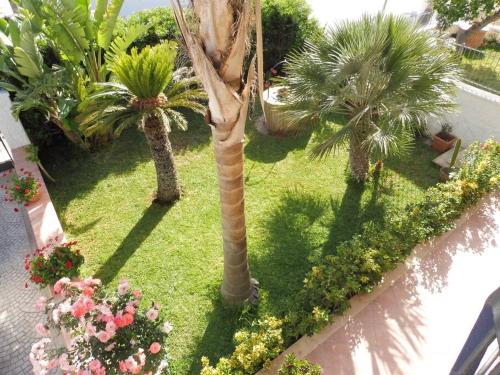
[
  {"x": 297, "y": 210},
  {"x": 483, "y": 68}
]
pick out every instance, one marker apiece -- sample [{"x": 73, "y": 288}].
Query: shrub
[
  {"x": 286, "y": 24},
  {"x": 53, "y": 262},
  {"x": 109, "y": 334},
  {"x": 162, "y": 26},
  {"x": 255, "y": 348},
  {"x": 293, "y": 366}
]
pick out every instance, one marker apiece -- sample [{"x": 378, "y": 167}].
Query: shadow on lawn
[
  {"x": 271, "y": 149},
  {"x": 217, "y": 340},
  {"x": 77, "y": 171},
  {"x": 139, "y": 233}
]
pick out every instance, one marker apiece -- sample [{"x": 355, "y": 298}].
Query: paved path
[{"x": 17, "y": 313}]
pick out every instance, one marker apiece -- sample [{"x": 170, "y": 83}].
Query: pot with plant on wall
[
  {"x": 444, "y": 172},
  {"x": 443, "y": 140}
]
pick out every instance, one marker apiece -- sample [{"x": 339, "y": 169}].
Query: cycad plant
[
  {"x": 383, "y": 73},
  {"x": 148, "y": 94}
]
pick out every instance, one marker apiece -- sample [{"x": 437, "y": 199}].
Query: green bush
[
  {"x": 255, "y": 348},
  {"x": 293, "y": 366},
  {"x": 162, "y": 26},
  {"x": 286, "y": 24},
  {"x": 360, "y": 263}
]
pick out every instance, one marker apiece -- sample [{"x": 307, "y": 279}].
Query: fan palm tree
[
  {"x": 383, "y": 73},
  {"x": 217, "y": 46},
  {"x": 148, "y": 94}
]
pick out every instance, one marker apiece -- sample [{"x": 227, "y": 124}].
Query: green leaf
[
  {"x": 100, "y": 9},
  {"x": 107, "y": 26},
  {"x": 8, "y": 86}
]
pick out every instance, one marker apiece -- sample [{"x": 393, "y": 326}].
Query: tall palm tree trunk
[
  {"x": 217, "y": 51},
  {"x": 168, "y": 189},
  {"x": 236, "y": 285},
  {"x": 359, "y": 161}
]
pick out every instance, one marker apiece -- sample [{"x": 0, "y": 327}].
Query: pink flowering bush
[{"x": 109, "y": 334}]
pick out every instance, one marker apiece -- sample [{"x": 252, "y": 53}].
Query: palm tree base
[{"x": 252, "y": 296}]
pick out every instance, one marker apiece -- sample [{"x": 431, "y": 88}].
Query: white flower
[
  {"x": 167, "y": 327},
  {"x": 152, "y": 314}
]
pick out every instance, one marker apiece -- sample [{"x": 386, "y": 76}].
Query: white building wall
[
  {"x": 11, "y": 129},
  {"x": 477, "y": 117}
]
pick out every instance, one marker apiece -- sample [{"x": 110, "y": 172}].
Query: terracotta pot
[
  {"x": 443, "y": 142},
  {"x": 36, "y": 197}
]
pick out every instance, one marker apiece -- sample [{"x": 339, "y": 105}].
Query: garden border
[
  {"x": 307, "y": 344},
  {"x": 40, "y": 217}
]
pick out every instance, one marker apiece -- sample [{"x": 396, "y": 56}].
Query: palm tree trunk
[
  {"x": 217, "y": 53},
  {"x": 359, "y": 160},
  {"x": 168, "y": 189},
  {"x": 236, "y": 285}
]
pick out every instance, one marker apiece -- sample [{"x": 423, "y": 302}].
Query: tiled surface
[
  {"x": 419, "y": 319},
  {"x": 17, "y": 314}
]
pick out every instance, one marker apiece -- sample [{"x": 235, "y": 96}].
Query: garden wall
[
  {"x": 477, "y": 117},
  {"x": 11, "y": 129}
]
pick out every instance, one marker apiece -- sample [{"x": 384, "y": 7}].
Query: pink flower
[
  {"x": 123, "y": 366},
  {"x": 103, "y": 336},
  {"x": 88, "y": 291},
  {"x": 167, "y": 327},
  {"x": 41, "y": 329},
  {"x": 111, "y": 327},
  {"x": 40, "y": 303},
  {"x": 60, "y": 283},
  {"x": 128, "y": 319},
  {"x": 142, "y": 357},
  {"x": 122, "y": 287},
  {"x": 152, "y": 314},
  {"x": 137, "y": 294},
  {"x": 90, "y": 330},
  {"x": 110, "y": 347},
  {"x": 131, "y": 363},
  {"x": 94, "y": 365},
  {"x": 82, "y": 306},
  {"x": 155, "y": 348},
  {"x": 130, "y": 309}
]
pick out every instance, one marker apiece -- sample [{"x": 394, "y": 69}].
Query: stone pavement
[{"x": 17, "y": 313}]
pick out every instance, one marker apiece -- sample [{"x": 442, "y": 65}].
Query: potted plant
[
  {"x": 24, "y": 189},
  {"x": 109, "y": 334},
  {"x": 444, "y": 172},
  {"x": 443, "y": 140},
  {"x": 53, "y": 262}
]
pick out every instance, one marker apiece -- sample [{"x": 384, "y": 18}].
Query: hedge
[{"x": 360, "y": 263}]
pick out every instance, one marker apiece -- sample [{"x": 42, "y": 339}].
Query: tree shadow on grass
[
  {"x": 139, "y": 233},
  {"x": 416, "y": 166},
  {"x": 290, "y": 247},
  {"x": 271, "y": 149},
  {"x": 217, "y": 340},
  {"x": 77, "y": 171}
]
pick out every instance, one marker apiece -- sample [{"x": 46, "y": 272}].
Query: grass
[
  {"x": 483, "y": 68},
  {"x": 297, "y": 210}
]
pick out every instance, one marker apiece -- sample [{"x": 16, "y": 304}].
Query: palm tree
[
  {"x": 217, "y": 49},
  {"x": 383, "y": 73},
  {"x": 148, "y": 95}
]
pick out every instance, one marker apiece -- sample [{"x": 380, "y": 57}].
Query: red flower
[
  {"x": 18, "y": 187},
  {"x": 36, "y": 279},
  {"x": 27, "y": 191},
  {"x": 69, "y": 264},
  {"x": 274, "y": 71},
  {"x": 27, "y": 266}
]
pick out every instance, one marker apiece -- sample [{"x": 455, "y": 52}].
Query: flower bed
[
  {"x": 359, "y": 264},
  {"x": 108, "y": 333}
]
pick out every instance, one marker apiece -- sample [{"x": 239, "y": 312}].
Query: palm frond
[{"x": 106, "y": 27}]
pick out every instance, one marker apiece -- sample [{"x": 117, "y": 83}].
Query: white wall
[
  {"x": 11, "y": 129},
  {"x": 477, "y": 117}
]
